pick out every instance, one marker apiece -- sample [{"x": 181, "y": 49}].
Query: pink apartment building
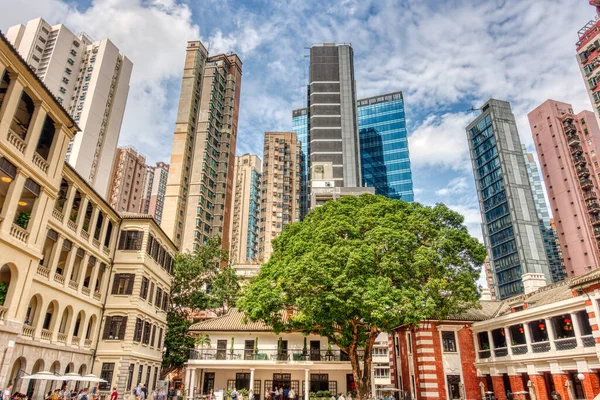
[{"x": 568, "y": 146}]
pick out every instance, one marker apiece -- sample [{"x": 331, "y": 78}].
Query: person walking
[
  {"x": 114, "y": 395},
  {"x": 7, "y": 392},
  {"x": 292, "y": 394},
  {"x": 234, "y": 394},
  {"x": 250, "y": 394}
]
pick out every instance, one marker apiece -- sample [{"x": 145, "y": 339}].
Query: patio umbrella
[
  {"x": 532, "y": 393},
  {"x": 92, "y": 378},
  {"x": 44, "y": 376},
  {"x": 482, "y": 388},
  {"x": 72, "y": 376}
]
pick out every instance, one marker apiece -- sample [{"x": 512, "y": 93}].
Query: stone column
[
  {"x": 560, "y": 381},
  {"x": 192, "y": 383},
  {"x": 103, "y": 230},
  {"x": 94, "y": 278},
  {"x": 492, "y": 346},
  {"x": 188, "y": 373},
  {"x": 82, "y": 208},
  {"x": 83, "y": 271},
  {"x": 576, "y": 329},
  {"x": 69, "y": 263},
  {"x": 93, "y": 222},
  {"x": 35, "y": 129},
  {"x": 251, "y": 379},
  {"x": 68, "y": 206},
  {"x": 306, "y": 383},
  {"x": 9, "y": 209},
  {"x": 528, "y": 338},
  {"x": 540, "y": 386},
  {"x": 11, "y": 101},
  {"x": 550, "y": 330}
]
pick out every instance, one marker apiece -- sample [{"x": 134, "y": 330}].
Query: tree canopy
[{"x": 357, "y": 267}]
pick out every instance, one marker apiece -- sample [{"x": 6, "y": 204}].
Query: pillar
[
  {"x": 11, "y": 101},
  {"x": 492, "y": 346},
  {"x": 54, "y": 256},
  {"x": 499, "y": 390},
  {"x": 83, "y": 271},
  {"x": 9, "y": 208},
  {"x": 81, "y": 215},
  {"x": 508, "y": 338},
  {"x": 68, "y": 206},
  {"x": 528, "y": 338},
  {"x": 251, "y": 379},
  {"x": 540, "y": 386},
  {"x": 103, "y": 230},
  {"x": 550, "y": 330},
  {"x": 35, "y": 129},
  {"x": 591, "y": 385},
  {"x": 516, "y": 383},
  {"x": 70, "y": 263},
  {"x": 306, "y": 383},
  {"x": 560, "y": 381},
  {"x": 577, "y": 330},
  {"x": 192, "y": 383},
  {"x": 93, "y": 222},
  {"x": 94, "y": 277},
  {"x": 188, "y": 373}
]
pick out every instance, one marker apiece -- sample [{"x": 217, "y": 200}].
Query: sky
[{"x": 445, "y": 56}]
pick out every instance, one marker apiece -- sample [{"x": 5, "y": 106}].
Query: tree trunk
[{"x": 362, "y": 376}]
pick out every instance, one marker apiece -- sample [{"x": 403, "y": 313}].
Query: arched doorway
[
  {"x": 49, "y": 320},
  {"x": 17, "y": 371},
  {"x": 65, "y": 324},
  {"x": 78, "y": 327},
  {"x": 34, "y": 311},
  {"x": 82, "y": 371},
  {"x": 8, "y": 275},
  {"x": 55, "y": 369},
  {"x": 34, "y": 384},
  {"x": 90, "y": 330}
]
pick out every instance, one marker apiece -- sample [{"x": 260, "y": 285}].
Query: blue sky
[{"x": 446, "y": 56}]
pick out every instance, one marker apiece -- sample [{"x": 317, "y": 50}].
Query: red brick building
[{"x": 544, "y": 341}]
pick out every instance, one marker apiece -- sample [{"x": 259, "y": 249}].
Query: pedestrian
[
  {"x": 7, "y": 392},
  {"x": 138, "y": 390},
  {"x": 96, "y": 392},
  {"x": 250, "y": 394},
  {"x": 286, "y": 393},
  {"x": 349, "y": 397},
  {"x": 114, "y": 395},
  {"x": 234, "y": 394},
  {"x": 292, "y": 394},
  {"x": 83, "y": 394},
  {"x": 143, "y": 392},
  {"x": 341, "y": 397},
  {"x": 332, "y": 396}
]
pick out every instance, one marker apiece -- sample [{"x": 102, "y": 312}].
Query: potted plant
[
  {"x": 255, "y": 347},
  {"x": 23, "y": 219},
  {"x": 231, "y": 347},
  {"x": 329, "y": 353},
  {"x": 304, "y": 349}
]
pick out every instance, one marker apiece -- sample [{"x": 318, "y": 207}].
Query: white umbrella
[
  {"x": 44, "y": 375},
  {"x": 72, "y": 376},
  {"x": 92, "y": 378}
]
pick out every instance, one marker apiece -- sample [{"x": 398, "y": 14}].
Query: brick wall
[
  {"x": 467, "y": 360},
  {"x": 540, "y": 386},
  {"x": 559, "y": 384},
  {"x": 591, "y": 385},
  {"x": 499, "y": 389}
]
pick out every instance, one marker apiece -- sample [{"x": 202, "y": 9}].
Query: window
[
  {"x": 46, "y": 138},
  {"x": 144, "y": 288},
  {"x": 130, "y": 376},
  {"x": 146, "y": 335},
  {"x": 139, "y": 326},
  {"x": 68, "y": 71},
  {"x": 107, "y": 375},
  {"x": 123, "y": 284},
  {"x": 319, "y": 382},
  {"x": 63, "y": 89},
  {"x": 114, "y": 328},
  {"x": 449, "y": 341},
  {"x": 131, "y": 240},
  {"x": 158, "y": 300},
  {"x": 160, "y": 338},
  {"x": 65, "y": 80},
  {"x": 152, "y": 335},
  {"x": 73, "y": 52},
  {"x": 22, "y": 117}
]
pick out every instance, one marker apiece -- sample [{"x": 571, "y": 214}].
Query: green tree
[
  {"x": 201, "y": 281},
  {"x": 357, "y": 267}
]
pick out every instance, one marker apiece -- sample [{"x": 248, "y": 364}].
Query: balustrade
[
  {"x": 28, "y": 331},
  {"x": 19, "y": 233}
]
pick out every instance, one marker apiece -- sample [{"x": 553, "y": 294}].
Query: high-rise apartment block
[
  {"x": 510, "y": 225},
  {"x": 333, "y": 129},
  {"x": 588, "y": 58},
  {"x": 91, "y": 80},
  {"x": 557, "y": 267},
  {"x": 384, "y": 146},
  {"x": 198, "y": 197},
  {"x": 280, "y": 202},
  {"x": 127, "y": 180},
  {"x": 246, "y": 209},
  {"x": 568, "y": 147},
  {"x": 155, "y": 186}
]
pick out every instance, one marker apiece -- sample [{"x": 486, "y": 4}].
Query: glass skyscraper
[
  {"x": 511, "y": 231},
  {"x": 384, "y": 156},
  {"x": 300, "y": 128},
  {"x": 557, "y": 267},
  {"x": 253, "y": 216}
]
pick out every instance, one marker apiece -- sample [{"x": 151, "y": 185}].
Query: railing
[
  {"x": 16, "y": 141},
  {"x": 44, "y": 271},
  {"x": 72, "y": 225},
  {"x": 85, "y": 234},
  {"x": 58, "y": 215},
  {"x": 501, "y": 352},
  {"x": 540, "y": 347},
  {"x": 40, "y": 162},
  {"x": 75, "y": 340},
  {"x": 485, "y": 354},
  {"x": 85, "y": 291},
  {"x": 73, "y": 284},
  {"x": 62, "y": 338},
  {"x": 96, "y": 242},
  {"x": 87, "y": 343},
  {"x": 97, "y": 296},
  {"x": 518, "y": 350},
  {"x": 105, "y": 250},
  {"x": 586, "y": 183},
  {"x": 3, "y": 311},
  {"x": 290, "y": 355},
  {"x": 565, "y": 344},
  {"x": 59, "y": 278},
  {"x": 46, "y": 334},
  {"x": 588, "y": 341},
  {"x": 19, "y": 233},
  {"x": 28, "y": 330}
]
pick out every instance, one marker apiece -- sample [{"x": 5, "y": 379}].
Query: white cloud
[
  {"x": 441, "y": 141},
  {"x": 455, "y": 186}
]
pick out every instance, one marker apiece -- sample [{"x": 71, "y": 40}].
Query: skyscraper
[
  {"x": 246, "y": 209},
  {"x": 300, "y": 128},
  {"x": 91, "y": 80},
  {"x": 384, "y": 146},
  {"x": 588, "y": 47},
  {"x": 557, "y": 268},
  {"x": 567, "y": 147},
  {"x": 199, "y": 190},
  {"x": 127, "y": 181},
  {"x": 332, "y": 116},
  {"x": 510, "y": 225},
  {"x": 155, "y": 186},
  {"x": 280, "y": 200}
]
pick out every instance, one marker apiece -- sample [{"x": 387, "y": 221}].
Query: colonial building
[
  {"x": 76, "y": 278},
  {"x": 249, "y": 355}
]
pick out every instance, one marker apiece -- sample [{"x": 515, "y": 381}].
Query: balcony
[
  {"x": 58, "y": 215},
  {"x": 573, "y": 140},
  {"x": 586, "y": 183},
  {"x": 271, "y": 355},
  {"x": 583, "y": 172},
  {"x": 71, "y": 224},
  {"x": 593, "y": 206},
  {"x": 576, "y": 150},
  {"x": 590, "y": 195},
  {"x": 62, "y": 338},
  {"x": 59, "y": 278},
  {"x": 28, "y": 331},
  {"x": 72, "y": 284},
  {"x": 46, "y": 334},
  {"x": 19, "y": 233},
  {"x": 43, "y": 271},
  {"x": 565, "y": 344},
  {"x": 541, "y": 347},
  {"x": 16, "y": 141},
  {"x": 579, "y": 161},
  {"x": 85, "y": 235},
  {"x": 501, "y": 352},
  {"x": 519, "y": 350},
  {"x": 588, "y": 341},
  {"x": 40, "y": 162},
  {"x": 485, "y": 354},
  {"x": 595, "y": 220}
]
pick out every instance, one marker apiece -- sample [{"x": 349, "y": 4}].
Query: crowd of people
[{"x": 62, "y": 393}]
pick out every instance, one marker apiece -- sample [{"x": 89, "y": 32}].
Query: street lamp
[{"x": 580, "y": 376}]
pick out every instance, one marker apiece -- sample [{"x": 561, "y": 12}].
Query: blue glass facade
[
  {"x": 300, "y": 128},
  {"x": 253, "y": 217},
  {"x": 384, "y": 153}
]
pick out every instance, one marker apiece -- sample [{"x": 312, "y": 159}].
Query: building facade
[
  {"x": 280, "y": 196},
  {"x": 555, "y": 261},
  {"x": 61, "y": 246},
  {"x": 91, "y": 80},
  {"x": 199, "y": 197},
  {"x": 588, "y": 59},
  {"x": 384, "y": 154},
  {"x": 126, "y": 192},
  {"x": 333, "y": 129},
  {"x": 300, "y": 128},
  {"x": 245, "y": 356},
  {"x": 155, "y": 186},
  {"x": 567, "y": 147},
  {"x": 511, "y": 230},
  {"x": 246, "y": 209}
]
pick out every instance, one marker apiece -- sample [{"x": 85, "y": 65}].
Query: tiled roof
[
  {"x": 487, "y": 310},
  {"x": 230, "y": 322}
]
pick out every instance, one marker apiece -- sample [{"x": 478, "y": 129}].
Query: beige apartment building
[
  {"x": 91, "y": 80},
  {"x": 126, "y": 190},
  {"x": 155, "y": 185},
  {"x": 280, "y": 200},
  {"x": 246, "y": 209},
  {"x": 199, "y": 195},
  {"x": 74, "y": 292}
]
